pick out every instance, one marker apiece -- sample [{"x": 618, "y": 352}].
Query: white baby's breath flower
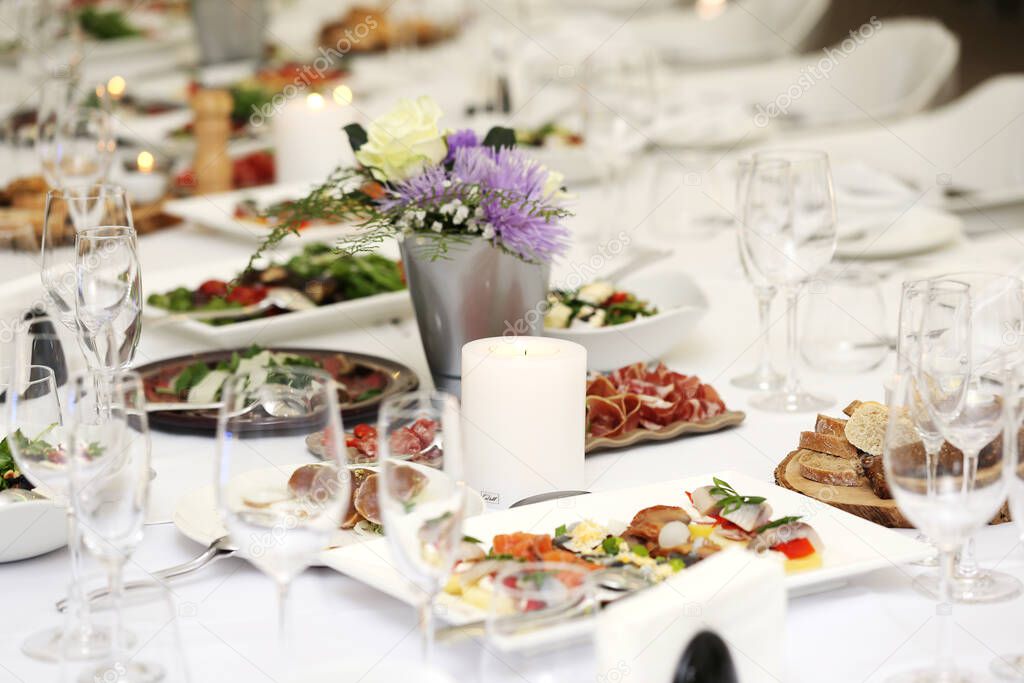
[
  {"x": 437, "y": 227},
  {"x": 488, "y": 231}
]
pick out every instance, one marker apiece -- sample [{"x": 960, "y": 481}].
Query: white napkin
[
  {"x": 860, "y": 186},
  {"x": 735, "y": 594}
]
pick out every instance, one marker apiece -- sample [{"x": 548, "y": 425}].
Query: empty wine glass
[
  {"x": 108, "y": 302},
  {"x": 847, "y": 332},
  {"x": 37, "y": 438},
  {"x": 51, "y": 39},
  {"x": 421, "y": 492},
  {"x": 261, "y": 436},
  {"x": 997, "y": 310},
  {"x": 763, "y": 377},
  {"x": 67, "y": 211},
  {"x": 966, "y": 403},
  {"x": 789, "y": 235},
  {"x": 76, "y": 145},
  {"x": 108, "y": 454}
]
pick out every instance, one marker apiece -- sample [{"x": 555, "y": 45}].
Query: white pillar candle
[
  {"x": 309, "y": 140},
  {"x": 523, "y": 416}
]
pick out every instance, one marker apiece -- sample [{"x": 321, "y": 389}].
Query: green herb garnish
[
  {"x": 730, "y": 500},
  {"x": 781, "y": 521},
  {"x": 611, "y": 545},
  {"x": 640, "y": 551},
  {"x": 470, "y": 539},
  {"x": 677, "y": 564}
]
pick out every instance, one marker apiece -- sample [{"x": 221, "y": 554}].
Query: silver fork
[{"x": 217, "y": 550}]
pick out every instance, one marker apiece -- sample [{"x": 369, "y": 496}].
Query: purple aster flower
[
  {"x": 459, "y": 139},
  {"x": 514, "y": 208}
]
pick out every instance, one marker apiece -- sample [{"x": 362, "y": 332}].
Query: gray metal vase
[{"x": 475, "y": 291}]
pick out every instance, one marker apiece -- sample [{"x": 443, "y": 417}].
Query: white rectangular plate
[
  {"x": 853, "y": 546},
  {"x": 217, "y": 212},
  {"x": 278, "y": 328}
]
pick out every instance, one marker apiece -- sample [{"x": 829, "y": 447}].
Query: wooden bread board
[
  {"x": 857, "y": 500},
  {"x": 729, "y": 418}
]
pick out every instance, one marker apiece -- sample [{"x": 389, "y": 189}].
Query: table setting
[{"x": 460, "y": 343}]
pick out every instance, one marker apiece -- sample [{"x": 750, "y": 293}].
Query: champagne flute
[
  {"x": 421, "y": 493},
  {"x": 109, "y": 454},
  {"x": 952, "y": 501},
  {"x": 108, "y": 302},
  {"x": 38, "y": 441},
  {"x": 997, "y": 317},
  {"x": 68, "y": 210},
  {"x": 279, "y": 529},
  {"x": 789, "y": 235},
  {"x": 763, "y": 377}
]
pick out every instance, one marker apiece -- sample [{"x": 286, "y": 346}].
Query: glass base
[
  {"x": 125, "y": 672},
  {"x": 1009, "y": 667},
  {"x": 987, "y": 586},
  {"x": 934, "y": 676},
  {"x": 759, "y": 380},
  {"x": 791, "y": 403},
  {"x": 52, "y": 645}
]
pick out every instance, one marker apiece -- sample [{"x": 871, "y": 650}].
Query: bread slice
[
  {"x": 832, "y": 426},
  {"x": 828, "y": 469},
  {"x": 874, "y": 472},
  {"x": 826, "y": 443},
  {"x": 848, "y": 410},
  {"x": 866, "y": 427}
]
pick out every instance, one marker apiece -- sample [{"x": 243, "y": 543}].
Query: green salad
[
  {"x": 106, "y": 24},
  {"x": 597, "y": 304}
]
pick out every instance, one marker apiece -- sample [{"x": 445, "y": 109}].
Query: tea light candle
[
  {"x": 523, "y": 416},
  {"x": 144, "y": 180},
  {"x": 309, "y": 141}
]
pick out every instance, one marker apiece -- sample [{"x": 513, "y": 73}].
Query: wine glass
[
  {"x": 965, "y": 400},
  {"x": 789, "y": 235},
  {"x": 52, "y": 42},
  {"x": 421, "y": 493},
  {"x": 763, "y": 377},
  {"x": 108, "y": 302},
  {"x": 108, "y": 454},
  {"x": 261, "y": 435},
  {"x": 853, "y": 341},
  {"x": 997, "y": 321},
  {"x": 76, "y": 145},
  {"x": 67, "y": 211},
  {"x": 1011, "y": 666},
  {"x": 33, "y": 417}
]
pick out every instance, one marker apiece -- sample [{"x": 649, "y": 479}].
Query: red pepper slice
[
  {"x": 363, "y": 431},
  {"x": 795, "y": 549},
  {"x": 617, "y": 298}
]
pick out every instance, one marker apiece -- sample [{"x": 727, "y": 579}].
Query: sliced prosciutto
[{"x": 652, "y": 398}]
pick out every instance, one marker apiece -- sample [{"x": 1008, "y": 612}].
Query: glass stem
[
  {"x": 115, "y": 572},
  {"x": 78, "y": 606},
  {"x": 967, "y": 563},
  {"x": 944, "y": 613},
  {"x": 283, "y": 633},
  {"x": 426, "y": 614},
  {"x": 792, "y": 342},
  {"x": 764, "y": 309}
]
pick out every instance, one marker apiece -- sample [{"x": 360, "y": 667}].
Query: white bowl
[
  {"x": 31, "y": 528},
  {"x": 680, "y": 303}
]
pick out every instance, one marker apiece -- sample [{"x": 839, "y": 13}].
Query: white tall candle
[
  {"x": 523, "y": 416},
  {"x": 309, "y": 141}
]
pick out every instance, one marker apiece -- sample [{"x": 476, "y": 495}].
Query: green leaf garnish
[
  {"x": 781, "y": 521},
  {"x": 561, "y": 530},
  {"x": 729, "y": 499},
  {"x": 611, "y": 545}
]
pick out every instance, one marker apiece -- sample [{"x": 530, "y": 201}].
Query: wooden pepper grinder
[{"x": 212, "y": 165}]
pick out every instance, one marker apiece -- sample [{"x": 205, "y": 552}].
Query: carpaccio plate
[{"x": 392, "y": 378}]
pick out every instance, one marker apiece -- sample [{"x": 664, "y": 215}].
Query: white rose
[{"x": 404, "y": 141}]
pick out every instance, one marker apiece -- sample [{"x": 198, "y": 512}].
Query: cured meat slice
[
  {"x": 601, "y": 386},
  {"x": 647, "y": 523},
  {"x": 604, "y": 416}
]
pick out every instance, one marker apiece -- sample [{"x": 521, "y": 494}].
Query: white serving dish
[
  {"x": 285, "y": 327},
  {"x": 30, "y": 528},
  {"x": 217, "y": 212},
  {"x": 680, "y": 302},
  {"x": 853, "y": 546},
  {"x": 196, "y": 515},
  {"x": 898, "y": 233}
]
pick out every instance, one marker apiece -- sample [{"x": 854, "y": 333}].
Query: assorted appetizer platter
[
  {"x": 641, "y": 317},
  {"x": 321, "y": 275},
  {"x": 364, "y": 381},
  {"x": 840, "y": 463},
  {"x": 655, "y": 530},
  {"x": 46, "y": 519},
  {"x": 335, "y": 292},
  {"x": 638, "y": 403}
]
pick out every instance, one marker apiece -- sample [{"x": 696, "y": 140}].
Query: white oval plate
[
  {"x": 680, "y": 303},
  {"x": 31, "y": 528},
  {"x": 919, "y": 230}
]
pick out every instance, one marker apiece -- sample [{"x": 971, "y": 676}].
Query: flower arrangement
[{"x": 413, "y": 180}]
